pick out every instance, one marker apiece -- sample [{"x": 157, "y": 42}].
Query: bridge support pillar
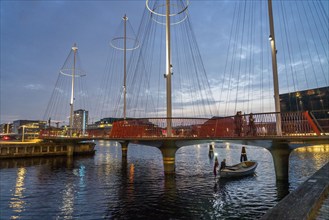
[
  {"x": 168, "y": 151},
  {"x": 280, "y": 153},
  {"x": 70, "y": 150},
  {"x": 124, "y": 148}
]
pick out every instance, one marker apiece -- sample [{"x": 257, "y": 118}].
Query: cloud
[{"x": 34, "y": 87}]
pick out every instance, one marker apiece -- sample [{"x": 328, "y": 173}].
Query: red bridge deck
[{"x": 297, "y": 124}]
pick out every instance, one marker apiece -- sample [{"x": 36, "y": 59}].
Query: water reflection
[
  {"x": 107, "y": 186},
  {"x": 282, "y": 188},
  {"x": 130, "y": 190},
  {"x": 17, "y": 201},
  {"x": 53, "y": 162},
  {"x": 313, "y": 153},
  {"x": 306, "y": 161},
  {"x": 68, "y": 193},
  {"x": 131, "y": 173},
  {"x": 220, "y": 195},
  {"x": 81, "y": 172},
  {"x": 67, "y": 206}
]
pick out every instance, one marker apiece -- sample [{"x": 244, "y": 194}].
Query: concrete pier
[
  {"x": 305, "y": 201},
  {"x": 280, "y": 153},
  {"x": 37, "y": 149},
  {"x": 168, "y": 150},
  {"x": 124, "y": 148}
]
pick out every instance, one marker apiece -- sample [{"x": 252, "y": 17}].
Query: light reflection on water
[
  {"x": 17, "y": 202},
  {"x": 105, "y": 186}
]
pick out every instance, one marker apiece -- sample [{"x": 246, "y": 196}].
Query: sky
[{"x": 36, "y": 37}]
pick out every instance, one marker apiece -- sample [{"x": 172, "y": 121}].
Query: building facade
[
  {"x": 80, "y": 121},
  {"x": 6, "y": 128},
  {"x": 315, "y": 101},
  {"x": 28, "y": 128},
  {"x": 306, "y": 100}
]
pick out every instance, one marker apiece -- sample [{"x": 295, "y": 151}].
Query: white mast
[
  {"x": 168, "y": 71},
  {"x": 275, "y": 71},
  {"x": 125, "y": 18},
  {"x": 74, "y": 48}
]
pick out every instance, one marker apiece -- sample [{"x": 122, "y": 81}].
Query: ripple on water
[{"x": 106, "y": 187}]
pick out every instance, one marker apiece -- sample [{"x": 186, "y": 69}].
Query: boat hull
[{"x": 239, "y": 170}]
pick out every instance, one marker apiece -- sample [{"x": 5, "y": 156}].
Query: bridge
[
  {"x": 298, "y": 129},
  {"x": 278, "y": 131}
]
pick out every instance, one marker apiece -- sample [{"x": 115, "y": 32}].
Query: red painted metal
[
  {"x": 311, "y": 122},
  {"x": 264, "y": 125}
]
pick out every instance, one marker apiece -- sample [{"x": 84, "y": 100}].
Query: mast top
[
  {"x": 74, "y": 48},
  {"x": 125, "y": 17}
]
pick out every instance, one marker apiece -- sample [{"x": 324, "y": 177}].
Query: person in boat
[
  {"x": 252, "y": 126},
  {"x": 223, "y": 164},
  {"x": 215, "y": 166},
  {"x": 243, "y": 156}
]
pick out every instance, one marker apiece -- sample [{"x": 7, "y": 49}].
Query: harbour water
[{"x": 104, "y": 186}]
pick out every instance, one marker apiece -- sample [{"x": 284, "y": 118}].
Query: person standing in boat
[
  {"x": 223, "y": 164},
  {"x": 243, "y": 155},
  {"x": 215, "y": 166}
]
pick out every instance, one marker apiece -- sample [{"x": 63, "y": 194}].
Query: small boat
[{"x": 239, "y": 170}]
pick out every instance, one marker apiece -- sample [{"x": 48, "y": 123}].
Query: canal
[{"x": 103, "y": 186}]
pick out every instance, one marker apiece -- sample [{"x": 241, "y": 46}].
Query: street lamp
[
  {"x": 23, "y": 133},
  {"x": 270, "y": 38},
  {"x": 8, "y": 128}
]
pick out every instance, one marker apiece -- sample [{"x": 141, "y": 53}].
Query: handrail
[{"x": 262, "y": 125}]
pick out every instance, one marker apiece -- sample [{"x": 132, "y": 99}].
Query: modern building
[
  {"x": 315, "y": 101},
  {"x": 28, "y": 128},
  {"x": 6, "y": 128},
  {"x": 307, "y": 100},
  {"x": 80, "y": 121},
  {"x": 106, "y": 122}
]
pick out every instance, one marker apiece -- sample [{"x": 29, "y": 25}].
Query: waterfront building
[
  {"x": 6, "y": 128},
  {"x": 102, "y": 127},
  {"x": 28, "y": 128},
  {"x": 80, "y": 121},
  {"x": 106, "y": 122},
  {"x": 316, "y": 99}
]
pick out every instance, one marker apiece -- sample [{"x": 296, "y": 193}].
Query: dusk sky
[{"x": 36, "y": 37}]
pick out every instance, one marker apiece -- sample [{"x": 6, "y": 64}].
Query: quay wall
[
  {"x": 305, "y": 202},
  {"x": 37, "y": 149}
]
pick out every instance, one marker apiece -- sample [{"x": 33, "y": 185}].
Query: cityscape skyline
[{"x": 36, "y": 37}]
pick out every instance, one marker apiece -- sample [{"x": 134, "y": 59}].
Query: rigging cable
[
  {"x": 316, "y": 49},
  {"x": 226, "y": 60},
  {"x": 239, "y": 65}
]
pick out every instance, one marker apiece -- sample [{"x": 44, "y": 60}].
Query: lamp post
[
  {"x": 23, "y": 133},
  {"x": 8, "y": 128}
]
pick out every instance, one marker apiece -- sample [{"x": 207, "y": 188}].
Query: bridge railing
[
  {"x": 244, "y": 126},
  {"x": 298, "y": 124},
  {"x": 56, "y": 133},
  {"x": 264, "y": 124},
  {"x": 321, "y": 118}
]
